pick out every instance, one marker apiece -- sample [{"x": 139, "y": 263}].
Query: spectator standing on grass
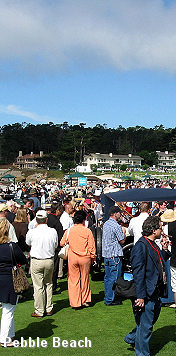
[
  {"x": 3, "y": 215},
  {"x": 43, "y": 241},
  {"x": 8, "y": 297},
  {"x": 169, "y": 217},
  {"x": 66, "y": 218},
  {"x": 33, "y": 195},
  {"x": 162, "y": 206},
  {"x": 135, "y": 225},
  {"x": 54, "y": 222},
  {"x": 21, "y": 227},
  {"x": 80, "y": 254},
  {"x": 112, "y": 240},
  {"x": 29, "y": 204},
  {"x": 12, "y": 209},
  {"x": 148, "y": 267}
]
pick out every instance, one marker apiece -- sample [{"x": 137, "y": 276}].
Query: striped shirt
[{"x": 112, "y": 234}]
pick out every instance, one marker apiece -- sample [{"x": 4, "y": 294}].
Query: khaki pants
[
  {"x": 60, "y": 273},
  {"x": 41, "y": 274}
]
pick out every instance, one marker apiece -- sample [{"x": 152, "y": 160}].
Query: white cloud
[
  {"x": 17, "y": 111},
  {"x": 42, "y": 35}
]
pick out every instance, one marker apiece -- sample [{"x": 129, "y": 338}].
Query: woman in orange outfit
[{"x": 80, "y": 254}]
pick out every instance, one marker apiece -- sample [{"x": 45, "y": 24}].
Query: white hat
[
  {"x": 168, "y": 216},
  {"x": 41, "y": 214}
]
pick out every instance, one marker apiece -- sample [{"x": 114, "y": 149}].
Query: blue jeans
[
  {"x": 144, "y": 326},
  {"x": 113, "y": 269}
]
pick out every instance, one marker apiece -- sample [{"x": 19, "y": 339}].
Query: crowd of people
[
  {"x": 40, "y": 219},
  {"x": 38, "y": 228}
]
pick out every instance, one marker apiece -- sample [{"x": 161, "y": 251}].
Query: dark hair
[
  {"x": 41, "y": 220},
  {"x": 56, "y": 206},
  {"x": 25, "y": 200},
  {"x": 79, "y": 217},
  {"x": 150, "y": 224},
  {"x": 31, "y": 201},
  {"x": 114, "y": 209},
  {"x": 161, "y": 203},
  {"x": 37, "y": 209}
]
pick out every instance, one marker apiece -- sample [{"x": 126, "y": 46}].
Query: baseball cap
[{"x": 41, "y": 214}]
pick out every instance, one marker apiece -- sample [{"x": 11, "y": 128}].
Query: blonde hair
[
  {"x": 4, "y": 230},
  {"x": 21, "y": 215}
]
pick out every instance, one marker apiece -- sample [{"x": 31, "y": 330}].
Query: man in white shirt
[
  {"x": 135, "y": 225},
  {"x": 43, "y": 241},
  {"x": 65, "y": 219}
]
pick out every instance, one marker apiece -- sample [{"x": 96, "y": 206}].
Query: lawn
[{"x": 104, "y": 326}]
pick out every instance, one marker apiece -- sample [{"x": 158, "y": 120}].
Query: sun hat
[
  {"x": 3, "y": 207},
  {"x": 168, "y": 216}
]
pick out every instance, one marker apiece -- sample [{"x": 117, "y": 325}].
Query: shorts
[{"x": 173, "y": 278}]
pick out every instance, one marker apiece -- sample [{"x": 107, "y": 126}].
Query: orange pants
[{"x": 78, "y": 279}]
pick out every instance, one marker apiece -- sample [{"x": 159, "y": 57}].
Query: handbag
[
  {"x": 20, "y": 281},
  {"x": 63, "y": 253},
  {"x": 125, "y": 288}
]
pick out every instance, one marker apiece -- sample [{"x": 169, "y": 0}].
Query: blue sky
[{"x": 93, "y": 61}]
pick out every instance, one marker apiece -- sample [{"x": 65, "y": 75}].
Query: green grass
[{"x": 104, "y": 326}]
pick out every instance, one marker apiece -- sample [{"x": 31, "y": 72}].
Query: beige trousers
[
  {"x": 60, "y": 273},
  {"x": 41, "y": 274}
]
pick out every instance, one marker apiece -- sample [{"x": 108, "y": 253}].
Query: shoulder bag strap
[
  {"x": 12, "y": 255},
  {"x": 68, "y": 231}
]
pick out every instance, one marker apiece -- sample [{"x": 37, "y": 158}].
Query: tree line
[{"x": 68, "y": 144}]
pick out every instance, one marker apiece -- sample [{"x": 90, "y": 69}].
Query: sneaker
[
  {"x": 50, "y": 313},
  {"x": 34, "y": 315},
  {"x": 172, "y": 306},
  {"x": 114, "y": 303},
  {"x": 11, "y": 344}
]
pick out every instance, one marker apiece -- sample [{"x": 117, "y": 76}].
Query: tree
[
  {"x": 49, "y": 161},
  {"x": 145, "y": 167},
  {"x": 149, "y": 158},
  {"x": 93, "y": 167},
  {"x": 123, "y": 167}
]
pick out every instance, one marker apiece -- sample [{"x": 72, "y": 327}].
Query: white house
[
  {"x": 109, "y": 161},
  {"x": 166, "y": 159}
]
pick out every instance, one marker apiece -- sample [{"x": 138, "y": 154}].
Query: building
[
  {"x": 166, "y": 160},
  {"x": 27, "y": 161},
  {"x": 109, "y": 161}
]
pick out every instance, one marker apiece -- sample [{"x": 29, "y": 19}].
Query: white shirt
[
  {"x": 43, "y": 241},
  {"x": 32, "y": 224},
  {"x": 12, "y": 234},
  {"x": 66, "y": 220},
  {"x": 43, "y": 201},
  {"x": 135, "y": 226}
]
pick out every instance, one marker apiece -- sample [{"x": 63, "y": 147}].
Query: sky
[{"x": 88, "y": 61}]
